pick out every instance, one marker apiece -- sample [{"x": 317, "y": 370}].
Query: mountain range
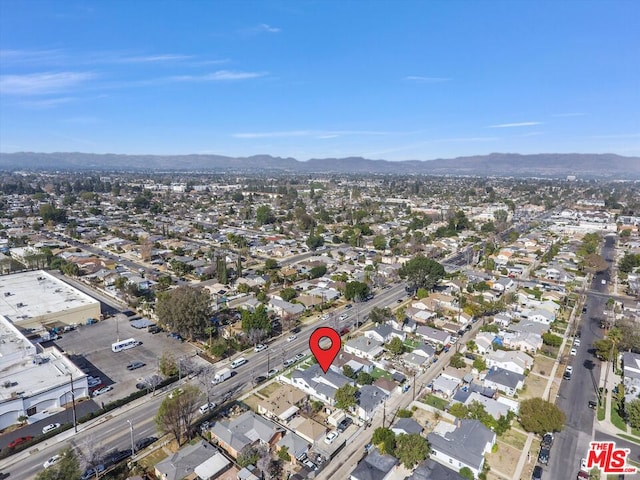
[{"x": 549, "y": 165}]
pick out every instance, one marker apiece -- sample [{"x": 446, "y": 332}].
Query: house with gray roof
[
  {"x": 424, "y": 350},
  {"x": 370, "y": 397},
  {"x": 364, "y": 347},
  {"x": 504, "y": 380},
  {"x": 375, "y": 466},
  {"x": 295, "y": 444},
  {"x": 184, "y": 462},
  {"x": 631, "y": 375},
  {"x": 446, "y": 385},
  {"x": 432, "y": 470},
  {"x": 282, "y": 307},
  {"x": 406, "y": 426},
  {"x": 246, "y": 430},
  {"x": 384, "y": 333},
  {"x": 318, "y": 384},
  {"x": 464, "y": 446},
  {"x": 434, "y": 335},
  {"x": 514, "y": 361}
]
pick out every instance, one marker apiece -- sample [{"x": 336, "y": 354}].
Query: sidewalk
[{"x": 605, "y": 425}]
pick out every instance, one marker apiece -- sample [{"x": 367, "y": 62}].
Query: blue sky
[{"x": 310, "y": 79}]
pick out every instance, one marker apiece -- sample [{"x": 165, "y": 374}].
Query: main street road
[
  {"x": 111, "y": 431},
  {"x": 572, "y": 443}
]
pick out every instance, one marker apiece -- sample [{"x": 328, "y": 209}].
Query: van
[
  {"x": 238, "y": 362},
  {"x": 206, "y": 407}
]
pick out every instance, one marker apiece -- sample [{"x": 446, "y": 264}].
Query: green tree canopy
[
  {"x": 346, "y": 396},
  {"x": 175, "y": 415},
  {"x": 422, "y": 272},
  {"x": 411, "y": 449},
  {"x": 186, "y": 310},
  {"x": 540, "y": 416},
  {"x": 633, "y": 412},
  {"x": 385, "y": 440},
  {"x": 356, "y": 290},
  {"x": 395, "y": 346},
  {"x": 457, "y": 361}
]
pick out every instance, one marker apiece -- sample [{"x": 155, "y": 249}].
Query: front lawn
[
  {"x": 616, "y": 419},
  {"x": 437, "y": 402},
  {"x": 379, "y": 373}
]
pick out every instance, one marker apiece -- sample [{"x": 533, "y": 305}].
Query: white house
[{"x": 514, "y": 361}]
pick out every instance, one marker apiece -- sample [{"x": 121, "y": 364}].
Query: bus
[{"x": 124, "y": 344}]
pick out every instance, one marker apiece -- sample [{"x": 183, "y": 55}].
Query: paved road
[
  {"x": 634, "y": 454},
  {"x": 113, "y": 432},
  {"x": 572, "y": 443}
]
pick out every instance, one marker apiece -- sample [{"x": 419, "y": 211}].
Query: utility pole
[
  {"x": 73, "y": 403},
  {"x": 131, "y": 433}
]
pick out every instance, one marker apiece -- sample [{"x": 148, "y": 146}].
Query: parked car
[
  {"x": 569, "y": 369},
  {"x": 344, "y": 331},
  {"x": 19, "y": 441},
  {"x": 116, "y": 457},
  {"x": 299, "y": 357},
  {"x": 51, "y": 426},
  {"x": 537, "y": 473},
  {"x": 330, "y": 438},
  {"x": 291, "y": 338},
  {"x": 260, "y": 379},
  {"x": 593, "y": 404},
  {"x": 273, "y": 372},
  {"x": 343, "y": 316},
  {"x": 289, "y": 362},
  {"x": 52, "y": 461},
  {"x": 102, "y": 390},
  {"x": 90, "y": 473},
  {"x": 344, "y": 424},
  {"x": 145, "y": 442},
  {"x": 547, "y": 440},
  {"x": 153, "y": 329},
  {"x": 543, "y": 456},
  {"x": 206, "y": 407},
  {"x": 348, "y": 305},
  {"x": 310, "y": 465},
  {"x": 566, "y": 375},
  {"x": 576, "y": 342},
  {"x": 260, "y": 347},
  {"x": 135, "y": 365},
  {"x": 93, "y": 381}
]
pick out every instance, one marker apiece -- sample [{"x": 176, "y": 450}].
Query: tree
[
  {"x": 176, "y": 414},
  {"x": 540, "y": 416},
  {"x": 552, "y": 340},
  {"x": 385, "y": 440},
  {"x": 264, "y": 215},
  {"x": 314, "y": 241},
  {"x": 602, "y": 348},
  {"x": 348, "y": 372},
  {"x": 457, "y": 361},
  {"x": 346, "y": 396},
  {"x": 257, "y": 320},
  {"x": 364, "y": 378},
  {"x": 168, "y": 365},
  {"x": 270, "y": 264},
  {"x": 185, "y": 310},
  {"x": 458, "y": 410},
  {"x": 411, "y": 449},
  {"x": 288, "y": 293},
  {"x": 355, "y": 290},
  {"x": 466, "y": 473},
  {"x": 422, "y": 272},
  {"x": 318, "y": 271},
  {"x": 68, "y": 468},
  {"x": 379, "y": 242},
  {"x": 395, "y": 346},
  {"x": 248, "y": 456},
  {"x": 283, "y": 454},
  {"x": 50, "y": 213},
  {"x": 380, "y": 315},
  {"x": 479, "y": 364},
  {"x": 633, "y": 412}
]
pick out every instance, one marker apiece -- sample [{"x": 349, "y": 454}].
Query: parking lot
[{"x": 90, "y": 347}]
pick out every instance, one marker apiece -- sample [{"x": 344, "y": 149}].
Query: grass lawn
[
  {"x": 152, "y": 459},
  {"x": 513, "y": 438},
  {"x": 437, "y": 402},
  {"x": 411, "y": 343},
  {"x": 635, "y": 431},
  {"x": 602, "y": 410},
  {"x": 269, "y": 389},
  {"x": 616, "y": 419},
  {"x": 378, "y": 373}
]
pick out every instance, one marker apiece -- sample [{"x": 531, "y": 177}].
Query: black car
[
  {"x": 259, "y": 379},
  {"x": 593, "y": 404},
  {"x": 543, "y": 456},
  {"x": 547, "y": 440},
  {"x": 566, "y": 375},
  {"x": 145, "y": 442},
  {"x": 344, "y": 424},
  {"x": 116, "y": 457},
  {"x": 4, "y": 475},
  {"x": 154, "y": 329},
  {"x": 135, "y": 365},
  {"x": 537, "y": 473}
]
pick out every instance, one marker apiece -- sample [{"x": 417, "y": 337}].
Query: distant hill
[{"x": 495, "y": 164}]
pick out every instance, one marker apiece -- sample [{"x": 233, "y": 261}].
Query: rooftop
[{"x": 29, "y": 295}]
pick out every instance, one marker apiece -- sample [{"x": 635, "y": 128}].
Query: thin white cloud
[
  {"x": 30, "y": 57},
  {"x": 48, "y": 102},
  {"x": 308, "y": 133},
  {"x": 220, "y": 75},
  {"x": 422, "y": 79},
  {"x": 155, "y": 58},
  {"x": 42, "y": 83},
  {"x": 515, "y": 125},
  {"x": 268, "y": 28}
]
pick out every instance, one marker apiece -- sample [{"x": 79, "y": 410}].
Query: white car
[
  {"x": 569, "y": 369},
  {"x": 343, "y": 316},
  {"x": 260, "y": 347},
  {"x": 331, "y": 437},
  {"x": 102, "y": 390},
  {"x": 573, "y": 352},
  {"x": 52, "y": 461},
  {"x": 576, "y": 342},
  {"x": 176, "y": 392},
  {"x": 273, "y": 372},
  {"x": 51, "y": 426},
  {"x": 291, "y": 338}
]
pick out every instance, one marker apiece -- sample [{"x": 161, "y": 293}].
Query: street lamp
[
  {"x": 131, "y": 433},
  {"x": 73, "y": 402}
]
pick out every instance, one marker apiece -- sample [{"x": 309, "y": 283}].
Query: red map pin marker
[{"x": 324, "y": 357}]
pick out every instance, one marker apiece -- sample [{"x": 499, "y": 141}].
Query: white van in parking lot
[{"x": 238, "y": 362}]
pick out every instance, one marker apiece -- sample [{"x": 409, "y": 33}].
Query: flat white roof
[{"x": 34, "y": 294}]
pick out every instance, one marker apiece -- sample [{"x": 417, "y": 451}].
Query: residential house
[
  {"x": 446, "y": 385},
  {"x": 318, "y": 384},
  {"x": 384, "y": 333},
  {"x": 358, "y": 364},
  {"x": 364, "y": 347},
  {"x": 464, "y": 446},
  {"x": 432, "y": 470},
  {"x": 246, "y": 430},
  {"x": 406, "y": 426},
  {"x": 504, "y": 380},
  {"x": 527, "y": 342},
  {"x": 370, "y": 398},
  {"x": 484, "y": 342},
  {"x": 282, "y": 307},
  {"x": 375, "y": 467},
  {"x": 434, "y": 335},
  {"x": 184, "y": 462},
  {"x": 424, "y": 350},
  {"x": 295, "y": 444},
  {"x": 517, "y": 362},
  {"x": 308, "y": 429},
  {"x": 492, "y": 407},
  {"x": 631, "y": 375}
]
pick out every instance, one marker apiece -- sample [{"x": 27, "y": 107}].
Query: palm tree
[{"x": 615, "y": 337}]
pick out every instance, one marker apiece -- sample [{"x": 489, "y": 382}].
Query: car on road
[
  {"x": 288, "y": 363},
  {"x": 573, "y": 352},
  {"x": 260, "y": 347},
  {"x": 238, "y": 362},
  {"x": 348, "y": 305},
  {"x": 593, "y": 404},
  {"x": 569, "y": 369},
  {"x": 291, "y": 338},
  {"x": 259, "y": 379},
  {"x": 576, "y": 342},
  {"x": 298, "y": 357},
  {"x": 4, "y": 475},
  {"x": 343, "y": 316},
  {"x": 19, "y": 441},
  {"x": 206, "y": 407},
  {"x": 135, "y": 365},
  {"x": 330, "y": 438},
  {"x": 102, "y": 390},
  {"x": 90, "y": 473},
  {"x": 537, "y": 473},
  {"x": 116, "y": 457},
  {"x": 51, "y": 426},
  {"x": 52, "y": 461},
  {"x": 144, "y": 443},
  {"x": 175, "y": 393},
  {"x": 273, "y": 372},
  {"x": 543, "y": 456}
]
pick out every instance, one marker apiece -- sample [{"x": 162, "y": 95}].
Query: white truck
[{"x": 222, "y": 375}]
